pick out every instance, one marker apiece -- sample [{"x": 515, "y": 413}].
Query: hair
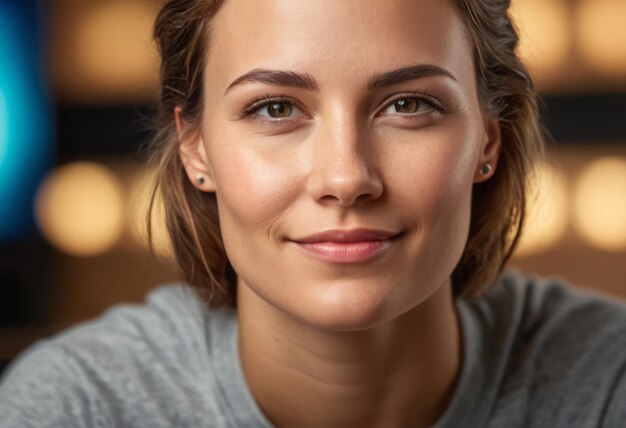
[{"x": 506, "y": 93}]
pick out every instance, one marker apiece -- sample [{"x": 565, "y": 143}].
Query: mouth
[{"x": 348, "y": 246}]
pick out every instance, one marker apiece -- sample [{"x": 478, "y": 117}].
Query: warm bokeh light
[
  {"x": 113, "y": 50},
  {"x": 79, "y": 208},
  {"x": 141, "y": 194},
  {"x": 547, "y": 211},
  {"x": 602, "y": 35},
  {"x": 600, "y": 204},
  {"x": 545, "y": 34}
]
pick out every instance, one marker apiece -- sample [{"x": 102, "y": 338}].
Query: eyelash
[
  {"x": 423, "y": 97},
  {"x": 267, "y": 100}
]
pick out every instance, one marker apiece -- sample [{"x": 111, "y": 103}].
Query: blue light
[
  {"x": 25, "y": 134},
  {"x": 4, "y": 126}
]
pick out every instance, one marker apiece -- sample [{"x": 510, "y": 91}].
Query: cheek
[
  {"x": 251, "y": 190},
  {"x": 436, "y": 176},
  {"x": 436, "y": 194}
]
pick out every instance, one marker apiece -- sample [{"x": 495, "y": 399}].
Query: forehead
[{"x": 331, "y": 39}]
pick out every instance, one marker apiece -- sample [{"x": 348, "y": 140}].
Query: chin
[{"x": 353, "y": 307}]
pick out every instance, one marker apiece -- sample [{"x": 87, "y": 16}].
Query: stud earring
[
  {"x": 486, "y": 169},
  {"x": 200, "y": 180}
]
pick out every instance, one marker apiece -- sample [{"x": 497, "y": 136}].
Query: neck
[{"x": 400, "y": 373}]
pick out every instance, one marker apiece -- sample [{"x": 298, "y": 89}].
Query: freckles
[
  {"x": 433, "y": 179},
  {"x": 252, "y": 189},
  {"x": 426, "y": 174},
  {"x": 454, "y": 165}
]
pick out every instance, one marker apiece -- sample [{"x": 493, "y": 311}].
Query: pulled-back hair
[{"x": 506, "y": 93}]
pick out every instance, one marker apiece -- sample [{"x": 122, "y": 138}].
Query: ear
[
  {"x": 193, "y": 156},
  {"x": 488, "y": 160}
]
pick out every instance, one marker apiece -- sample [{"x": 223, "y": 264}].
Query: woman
[{"x": 366, "y": 162}]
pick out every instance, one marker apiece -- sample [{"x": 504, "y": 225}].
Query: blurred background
[{"x": 78, "y": 81}]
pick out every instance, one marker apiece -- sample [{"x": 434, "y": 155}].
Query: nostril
[
  {"x": 344, "y": 170},
  {"x": 347, "y": 193}
]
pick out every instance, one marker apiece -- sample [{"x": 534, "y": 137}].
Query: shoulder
[
  {"x": 550, "y": 307},
  {"x": 555, "y": 316},
  {"x": 561, "y": 349},
  {"x": 171, "y": 323},
  {"x": 132, "y": 363}
]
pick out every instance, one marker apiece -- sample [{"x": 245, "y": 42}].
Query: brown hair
[{"x": 505, "y": 89}]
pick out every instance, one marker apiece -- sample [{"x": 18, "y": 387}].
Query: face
[{"x": 342, "y": 142}]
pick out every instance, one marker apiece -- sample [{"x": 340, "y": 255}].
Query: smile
[{"x": 353, "y": 246}]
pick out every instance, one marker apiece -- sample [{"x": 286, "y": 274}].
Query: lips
[{"x": 347, "y": 246}]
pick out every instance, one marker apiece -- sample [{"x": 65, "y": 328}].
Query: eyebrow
[
  {"x": 405, "y": 74},
  {"x": 278, "y": 78},
  {"x": 306, "y": 81}
]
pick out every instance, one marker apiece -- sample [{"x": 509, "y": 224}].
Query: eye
[
  {"x": 410, "y": 105},
  {"x": 272, "y": 108},
  {"x": 276, "y": 110}
]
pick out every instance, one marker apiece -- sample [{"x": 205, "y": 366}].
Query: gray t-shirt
[{"x": 535, "y": 354}]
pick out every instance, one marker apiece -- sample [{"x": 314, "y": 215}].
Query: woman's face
[{"x": 342, "y": 140}]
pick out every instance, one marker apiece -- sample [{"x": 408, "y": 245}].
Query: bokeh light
[
  {"x": 25, "y": 138},
  {"x": 140, "y": 197},
  {"x": 602, "y": 35},
  {"x": 113, "y": 50},
  {"x": 79, "y": 208},
  {"x": 600, "y": 204},
  {"x": 4, "y": 127},
  {"x": 544, "y": 30},
  {"x": 547, "y": 211}
]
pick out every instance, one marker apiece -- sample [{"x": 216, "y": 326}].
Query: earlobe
[
  {"x": 488, "y": 160},
  {"x": 193, "y": 155}
]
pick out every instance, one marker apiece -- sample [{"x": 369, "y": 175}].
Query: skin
[{"x": 374, "y": 343}]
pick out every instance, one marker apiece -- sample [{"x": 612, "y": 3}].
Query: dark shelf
[
  {"x": 586, "y": 118},
  {"x": 87, "y": 131}
]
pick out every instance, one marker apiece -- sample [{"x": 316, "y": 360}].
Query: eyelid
[
  {"x": 261, "y": 102},
  {"x": 421, "y": 96},
  {"x": 264, "y": 101}
]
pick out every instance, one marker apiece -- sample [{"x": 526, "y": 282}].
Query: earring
[
  {"x": 200, "y": 180},
  {"x": 486, "y": 169}
]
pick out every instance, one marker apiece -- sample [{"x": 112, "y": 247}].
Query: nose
[{"x": 344, "y": 170}]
